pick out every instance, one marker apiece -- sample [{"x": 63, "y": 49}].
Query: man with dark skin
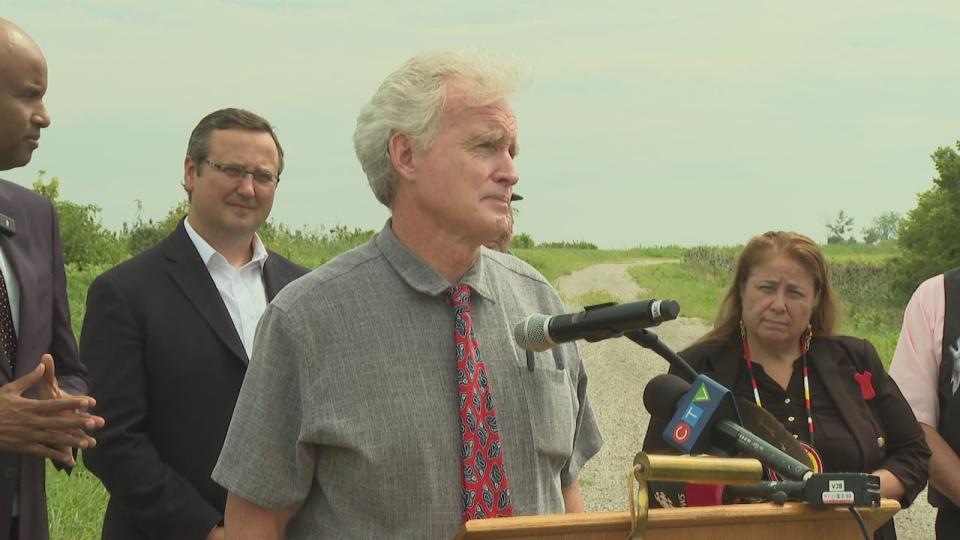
[{"x": 42, "y": 409}]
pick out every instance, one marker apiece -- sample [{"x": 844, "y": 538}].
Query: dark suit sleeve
[
  {"x": 148, "y": 490},
  {"x": 907, "y": 454},
  {"x": 71, "y": 375}
]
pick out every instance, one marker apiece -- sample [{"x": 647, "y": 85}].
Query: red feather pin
[{"x": 865, "y": 380}]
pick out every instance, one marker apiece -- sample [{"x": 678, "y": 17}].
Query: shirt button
[
  {"x": 787, "y": 401},
  {"x": 881, "y": 442},
  {"x": 790, "y": 419}
]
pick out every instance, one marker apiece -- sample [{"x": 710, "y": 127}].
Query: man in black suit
[
  {"x": 41, "y": 379},
  {"x": 168, "y": 334}
]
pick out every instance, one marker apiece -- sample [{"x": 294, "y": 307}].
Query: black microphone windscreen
[
  {"x": 669, "y": 310},
  {"x": 662, "y": 393}
]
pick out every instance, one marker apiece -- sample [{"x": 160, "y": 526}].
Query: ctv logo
[
  {"x": 692, "y": 415},
  {"x": 681, "y": 432}
]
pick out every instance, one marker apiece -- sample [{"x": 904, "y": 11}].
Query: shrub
[
  {"x": 143, "y": 234},
  {"x": 580, "y": 244},
  {"x": 523, "y": 241},
  {"x": 930, "y": 234},
  {"x": 85, "y": 240}
]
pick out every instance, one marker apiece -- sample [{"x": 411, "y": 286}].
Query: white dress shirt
[{"x": 241, "y": 288}]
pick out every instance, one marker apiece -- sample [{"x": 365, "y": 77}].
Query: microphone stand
[{"x": 649, "y": 340}]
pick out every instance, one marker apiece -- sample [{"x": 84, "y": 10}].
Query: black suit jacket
[
  {"x": 36, "y": 256},
  {"x": 166, "y": 364}
]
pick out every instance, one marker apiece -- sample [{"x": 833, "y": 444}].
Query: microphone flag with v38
[
  {"x": 704, "y": 419},
  {"x": 538, "y": 332}
]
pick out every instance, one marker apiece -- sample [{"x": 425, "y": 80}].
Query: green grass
[
  {"x": 698, "y": 295},
  {"x": 861, "y": 252},
  {"x": 76, "y": 503},
  {"x": 556, "y": 262},
  {"x": 594, "y": 297},
  {"x": 860, "y": 276},
  {"x": 78, "y": 281}
]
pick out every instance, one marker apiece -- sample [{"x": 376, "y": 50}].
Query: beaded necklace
[{"x": 804, "y": 347}]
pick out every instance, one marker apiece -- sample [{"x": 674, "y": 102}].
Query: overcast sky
[{"x": 645, "y": 122}]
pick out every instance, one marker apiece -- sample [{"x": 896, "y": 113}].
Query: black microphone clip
[{"x": 819, "y": 490}]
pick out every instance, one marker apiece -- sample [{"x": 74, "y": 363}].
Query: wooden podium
[{"x": 760, "y": 521}]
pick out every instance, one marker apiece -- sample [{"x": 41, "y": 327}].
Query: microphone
[
  {"x": 538, "y": 332},
  {"x": 705, "y": 419}
]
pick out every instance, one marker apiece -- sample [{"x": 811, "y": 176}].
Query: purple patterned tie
[
  {"x": 485, "y": 489},
  {"x": 8, "y": 336}
]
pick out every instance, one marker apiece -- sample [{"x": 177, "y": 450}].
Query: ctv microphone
[
  {"x": 705, "y": 419},
  {"x": 603, "y": 321}
]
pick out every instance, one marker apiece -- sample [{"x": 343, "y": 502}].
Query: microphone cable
[{"x": 863, "y": 526}]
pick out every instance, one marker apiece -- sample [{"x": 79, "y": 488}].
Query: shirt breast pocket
[{"x": 550, "y": 400}]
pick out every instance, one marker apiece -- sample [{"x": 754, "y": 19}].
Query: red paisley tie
[{"x": 485, "y": 489}]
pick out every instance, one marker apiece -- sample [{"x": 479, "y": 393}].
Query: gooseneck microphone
[{"x": 603, "y": 321}]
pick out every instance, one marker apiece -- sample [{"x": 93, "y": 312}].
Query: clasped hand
[{"x": 50, "y": 426}]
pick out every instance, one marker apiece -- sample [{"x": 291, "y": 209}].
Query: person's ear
[
  {"x": 402, "y": 155},
  {"x": 190, "y": 173}
]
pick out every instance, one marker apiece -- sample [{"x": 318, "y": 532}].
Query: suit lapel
[
  {"x": 14, "y": 249},
  {"x": 271, "y": 282},
  {"x": 834, "y": 376},
  {"x": 275, "y": 276},
  {"x": 192, "y": 277}
]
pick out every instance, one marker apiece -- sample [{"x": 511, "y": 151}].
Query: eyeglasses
[{"x": 237, "y": 172}]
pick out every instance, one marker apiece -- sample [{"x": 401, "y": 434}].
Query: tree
[
  {"x": 883, "y": 228},
  {"x": 143, "y": 234},
  {"x": 523, "y": 241},
  {"x": 84, "y": 238},
  {"x": 930, "y": 233},
  {"x": 842, "y": 224}
]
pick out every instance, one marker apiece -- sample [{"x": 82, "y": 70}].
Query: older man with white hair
[{"x": 386, "y": 397}]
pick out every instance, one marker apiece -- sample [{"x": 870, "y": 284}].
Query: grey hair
[{"x": 410, "y": 100}]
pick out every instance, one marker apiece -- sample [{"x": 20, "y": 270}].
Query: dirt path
[
  {"x": 619, "y": 370},
  {"x": 612, "y": 278}
]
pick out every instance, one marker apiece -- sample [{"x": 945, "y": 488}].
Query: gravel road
[{"x": 618, "y": 371}]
